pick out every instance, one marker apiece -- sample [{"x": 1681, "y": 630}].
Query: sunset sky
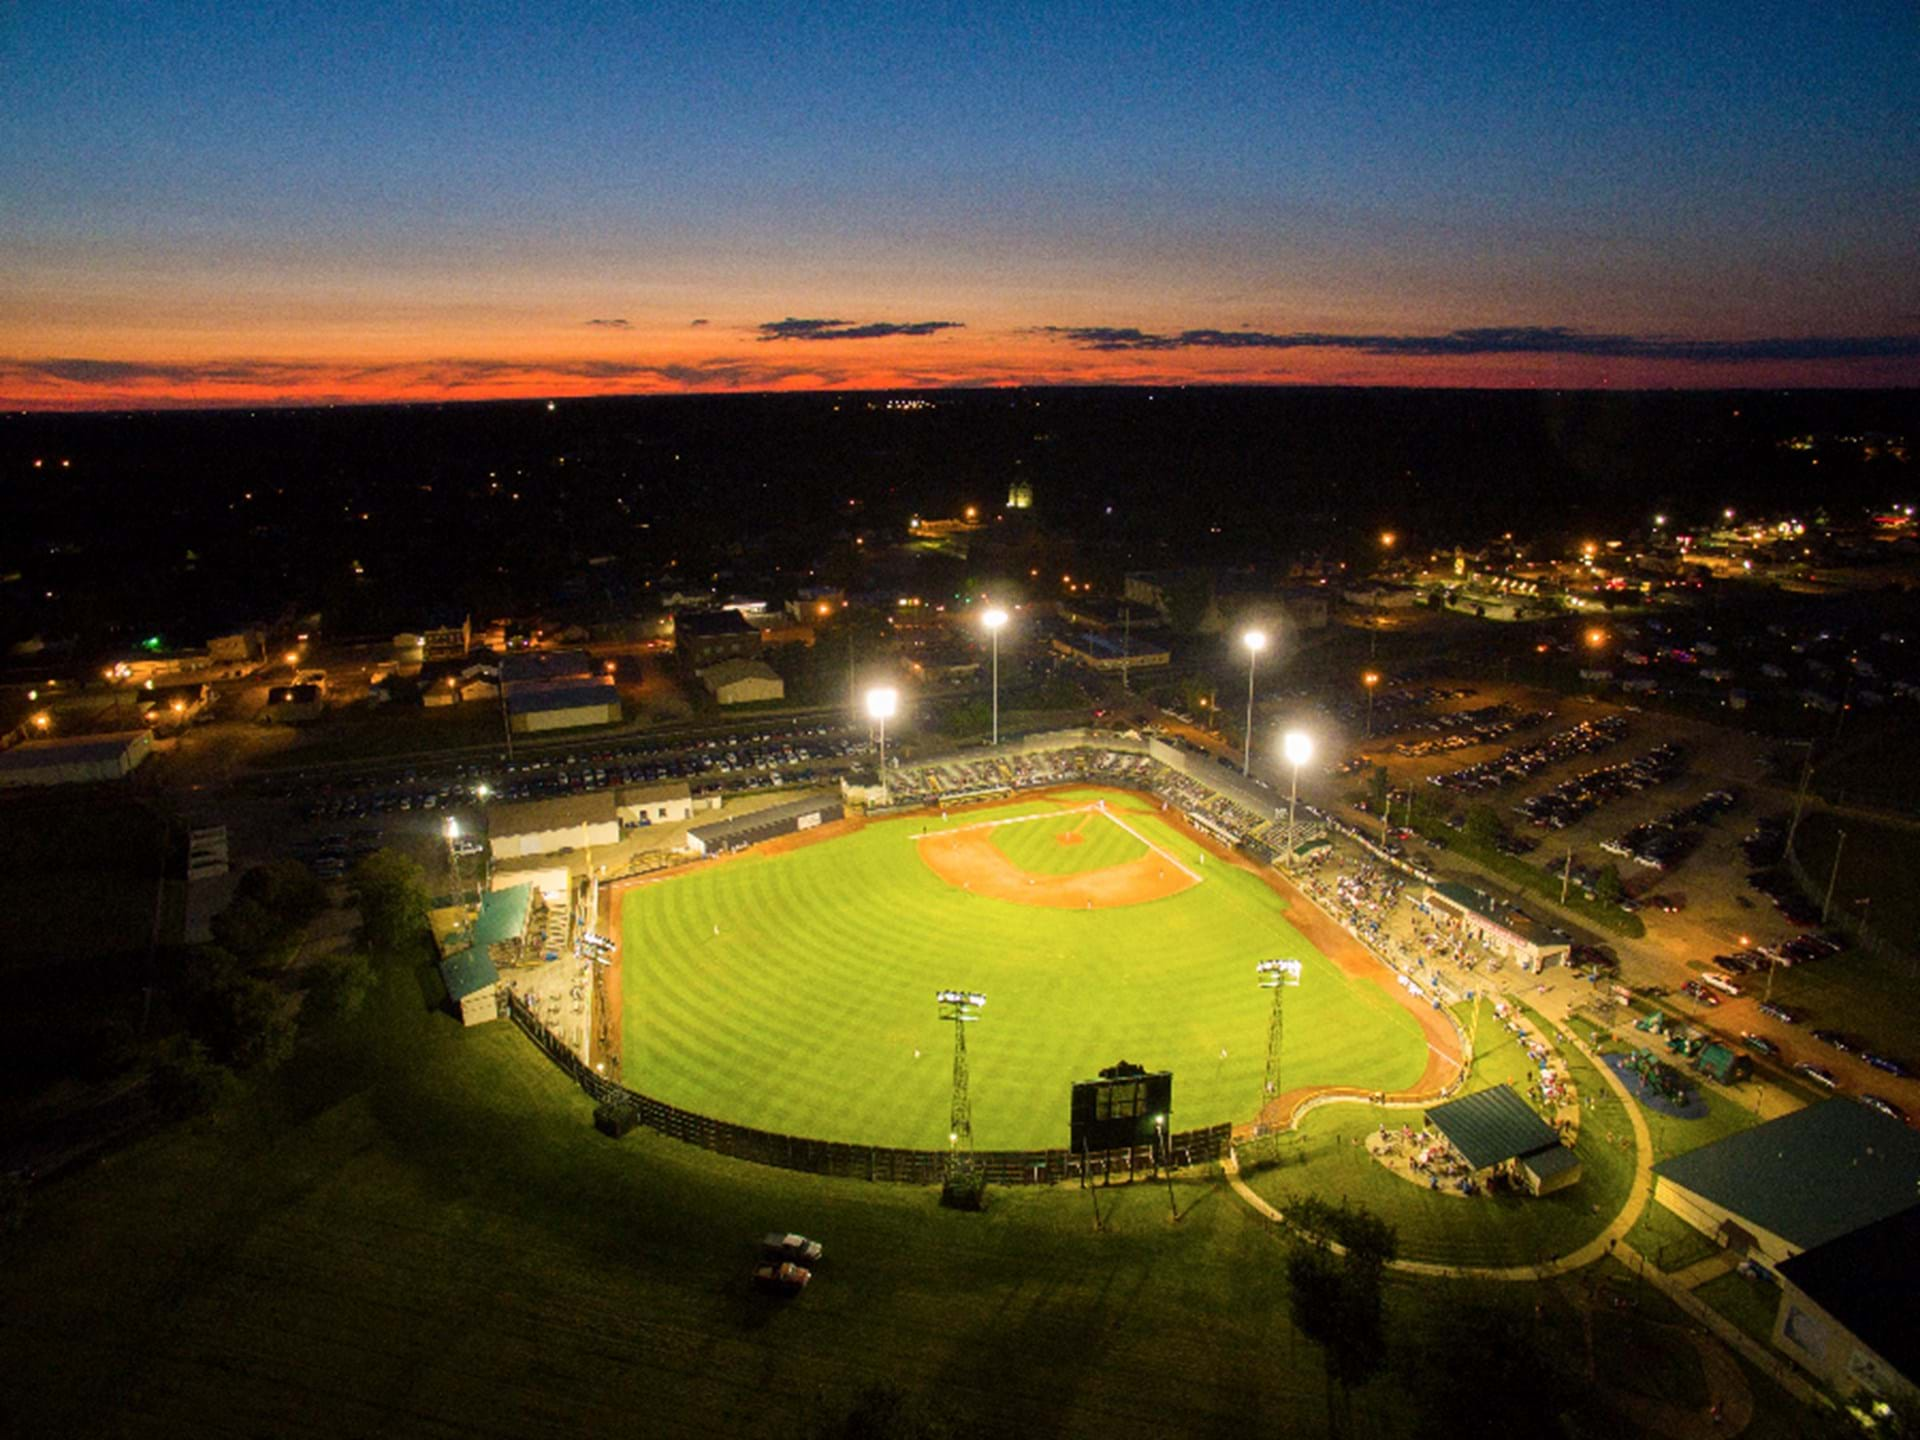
[{"x": 261, "y": 202}]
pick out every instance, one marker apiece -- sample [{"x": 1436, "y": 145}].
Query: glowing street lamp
[
  {"x": 42, "y": 720},
  {"x": 1370, "y": 679},
  {"x": 1297, "y": 746},
  {"x": 882, "y": 702},
  {"x": 994, "y": 619},
  {"x": 1255, "y": 641}
]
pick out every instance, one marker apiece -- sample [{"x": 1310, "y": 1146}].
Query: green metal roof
[
  {"x": 503, "y": 916},
  {"x": 1808, "y": 1177},
  {"x": 467, "y": 972},
  {"x": 1492, "y": 1125},
  {"x": 1552, "y": 1161}
]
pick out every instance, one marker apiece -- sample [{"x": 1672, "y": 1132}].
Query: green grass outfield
[
  {"x": 804, "y": 1012},
  {"x": 1038, "y": 845}
]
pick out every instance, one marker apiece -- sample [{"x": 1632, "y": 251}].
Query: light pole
[
  {"x": 1255, "y": 641},
  {"x": 1297, "y": 745},
  {"x": 1370, "y": 679},
  {"x": 882, "y": 701},
  {"x": 993, "y": 620}
]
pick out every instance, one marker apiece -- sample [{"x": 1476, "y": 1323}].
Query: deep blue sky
[{"x": 311, "y": 184}]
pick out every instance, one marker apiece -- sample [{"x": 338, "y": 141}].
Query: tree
[
  {"x": 253, "y": 934},
  {"x": 1606, "y": 885},
  {"x": 1377, "y": 790},
  {"x": 391, "y": 892},
  {"x": 184, "y": 1081},
  {"x": 1336, "y": 1299},
  {"x": 1187, "y": 599},
  {"x": 247, "y": 1025},
  {"x": 1483, "y": 825},
  {"x": 340, "y": 984},
  {"x": 288, "y": 889}
]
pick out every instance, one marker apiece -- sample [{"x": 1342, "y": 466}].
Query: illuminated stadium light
[{"x": 1275, "y": 973}]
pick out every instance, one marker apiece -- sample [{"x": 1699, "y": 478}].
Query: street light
[
  {"x": 1255, "y": 641},
  {"x": 1297, "y": 746},
  {"x": 1370, "y": 679},
  {"x": 882, "y": 702},
  {"x": 993, "y": 620}
]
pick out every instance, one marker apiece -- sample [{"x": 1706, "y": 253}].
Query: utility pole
[
  {"x": 1833, "y": 877},
  {"x": 1566, "y": 879},
  {"x": 962, "y": 1007},
  {"x": 1800, "y": 797},
  {"x": 1278, "y": 976},
  {"x": 1126, "y": 644}
]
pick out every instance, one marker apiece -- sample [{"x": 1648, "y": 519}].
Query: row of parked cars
[
  {"x": 1463, "y": 729},
  {"x": 758, "y": 761},
  {"x": 1523, "y": 762},
  {"x": 1778, "y": 887},
  {"x": 1575, "y": 799},
  {"x": 1663, "y": 843}
]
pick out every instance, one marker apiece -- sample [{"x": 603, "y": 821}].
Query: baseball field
[{"x": 793, "y": 990}]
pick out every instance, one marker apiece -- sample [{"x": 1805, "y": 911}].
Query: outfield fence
[{"x": 847, "y": 1161}]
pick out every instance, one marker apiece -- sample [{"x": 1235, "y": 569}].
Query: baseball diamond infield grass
[
  {"x": 794, "y": 991},
  {"x": 1069, "y": 844}
]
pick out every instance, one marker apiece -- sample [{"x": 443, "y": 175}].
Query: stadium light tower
[
  {"x": 1279, "y": 976},
  {"x": 1255, "y": 641},
  {"x": 1297, "y": 746},
  {"x": 994, "y": 619},
  {"x": 882, "y": 702},
  {"x": 963, "y": 1008}
]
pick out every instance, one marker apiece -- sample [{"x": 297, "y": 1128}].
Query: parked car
[
  {"x": 1818, "y": 1074},
  {"x": 1883, "y": 1062},
  {"x": 1775, "y": 1011},
  {"x": 1760, "y": 1043},
  {"x": 1885, "y": 1107},
  {"x": 1838, "y": 1040},
  {"x": 782, "y": 1279},
  {"x": 796, "y": 1248}
]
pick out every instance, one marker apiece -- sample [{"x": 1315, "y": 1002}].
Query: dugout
[
  {"x": 1496, "y": 1129},
  {"x": 740, "y": 831}
]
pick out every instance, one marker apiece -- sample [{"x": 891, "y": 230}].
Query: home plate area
[{"x": 986, "y": 860}]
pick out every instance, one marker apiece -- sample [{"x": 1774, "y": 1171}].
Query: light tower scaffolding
[
  {"x": 1279, "y": 976},
  {"x": 963, "y": 1008}
]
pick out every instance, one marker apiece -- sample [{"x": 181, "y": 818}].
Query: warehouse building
[
  {"x": 1111, "y": 654},
  {"x": 743, "y": 682},
  {"x": 739, "y": 831},
  {"x": 74, "y": 759},
  {"x": 707, "y": 637},
  {"x": 660, "y": 804},
  {"x": 1795, "y": 1183},
  {"x": 534, "y": 706},
  {"x": 1846, "y": 1315},
  {"x": 546, "y": 827}
]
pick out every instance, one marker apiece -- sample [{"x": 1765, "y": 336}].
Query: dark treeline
[{"x": 377, "y": 516}]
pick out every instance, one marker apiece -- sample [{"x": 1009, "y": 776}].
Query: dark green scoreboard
[{"x": 1126, "y": 1106}]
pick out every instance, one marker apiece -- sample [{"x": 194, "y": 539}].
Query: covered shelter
[
  {"x": 1723, "y": 1063},
  {"x": 1795, "y": 1182},
  {"x": 1495, "y": 1128},
  {"x": 475, "y": 942},
  {"x": 739, "y": 831},
  {"x": 545, "y": 827},
  {"x": 1506, "y": 931},
  {"x": 74, "y": 759},
  {"x": 659, "y": 804}
]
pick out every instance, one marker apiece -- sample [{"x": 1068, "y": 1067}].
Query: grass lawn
[
  {"x": 1667, "y": 1241},
  {"x": 1750, "y": 1304},
  {"x": 1066, "y": 844},
  {"x": 1497, "y": 1230},
  {"x": 812, "y": 1011}
]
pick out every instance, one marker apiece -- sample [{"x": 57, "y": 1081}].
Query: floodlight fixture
[
  {"x": 1297, "y": 746},
  {"x": 1275, "y": 973},
  {"x": 453, "y": 828},
  {"x": 1255, "y": 640},
  {"x": 994, "y": 618},
  {"x": 882, "y": 702},
  {"x": 482, "y": 790}
]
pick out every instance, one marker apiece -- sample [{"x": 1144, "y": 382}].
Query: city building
[
  {"x": 475, "y": 944},
  {"x": 1795, "y": 1183},
  {"x": 1111, "y": 653},
  {"x": 660, "y": 804},
  {"x": 707, "y": 637},
  {"x": 74, "y": 759},
  {"x": 544, "y": 827},
  {"x": 241, "y": 647},
  {"x": 743, "y": 682},
  {"x": 448, "y": 638},
  {"x": 534, "y": 706},
  {"x": 1510, "y": 933}
]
